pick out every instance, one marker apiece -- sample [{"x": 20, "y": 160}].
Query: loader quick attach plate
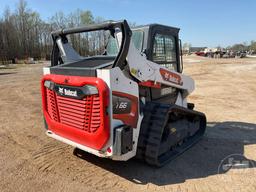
[{"x": 168, "y": 130}]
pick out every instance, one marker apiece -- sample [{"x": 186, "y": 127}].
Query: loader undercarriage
[{"x": 167, "y": 131}]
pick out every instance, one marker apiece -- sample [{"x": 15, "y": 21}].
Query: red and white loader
[{"x": 130, "y": 101}]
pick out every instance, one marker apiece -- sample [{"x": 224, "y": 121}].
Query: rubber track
[
  {"x": 152, "y": 127},
  {"x": 153, "y": 121}
]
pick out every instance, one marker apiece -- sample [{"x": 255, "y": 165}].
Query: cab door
[
  {"x": 163, "y": 47},
  {"x": 164, "y": 50}
]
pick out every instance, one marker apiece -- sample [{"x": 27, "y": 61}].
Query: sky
[{"x": 202, "y": 23}]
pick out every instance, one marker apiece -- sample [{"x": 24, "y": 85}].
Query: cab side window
[
  {"x": 164, "y": 51},
  {"x": 137, "y": 38}
]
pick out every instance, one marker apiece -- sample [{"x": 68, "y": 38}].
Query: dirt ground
[{"x": 225, "y": 91}]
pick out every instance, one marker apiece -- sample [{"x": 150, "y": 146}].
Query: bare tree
[{"x": 24, "y": 34}]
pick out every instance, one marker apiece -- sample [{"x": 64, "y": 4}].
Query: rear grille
[
  {"x": 51, "y": 105},
  {"x": 82, "y": 114}
]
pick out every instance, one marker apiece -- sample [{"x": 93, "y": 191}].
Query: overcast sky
[{"x": 202, "y": 22}]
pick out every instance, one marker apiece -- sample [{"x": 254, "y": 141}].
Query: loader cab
[{"x": 161, "y": 45}]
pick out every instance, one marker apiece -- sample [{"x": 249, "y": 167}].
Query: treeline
[
  {"x": 244, "y": 47},
  {"x": 251, "y": 47},
  {"x": 23, "y": 34}
]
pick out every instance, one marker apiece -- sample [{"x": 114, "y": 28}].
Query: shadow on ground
[
  {"x": 6, "y": 73},
  {"x": 202, "y": 160}
]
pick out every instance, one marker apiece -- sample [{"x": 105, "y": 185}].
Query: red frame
[
  {"x": 95, "y": 140},
  {"x": 150, "y": 84}
]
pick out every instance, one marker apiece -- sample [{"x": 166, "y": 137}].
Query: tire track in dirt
[
  {"x": 48, "y": 156},
  {"x": 57, "y": 158}
]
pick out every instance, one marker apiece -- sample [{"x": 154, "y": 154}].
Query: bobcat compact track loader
[{"x": 128, "y": 101}]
